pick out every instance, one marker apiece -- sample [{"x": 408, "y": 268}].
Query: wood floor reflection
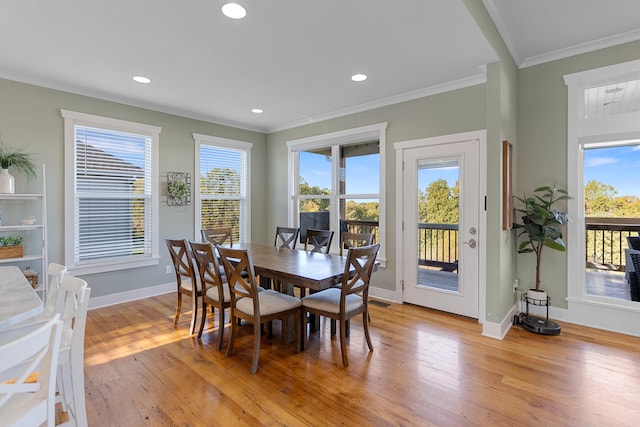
[{"x": 428, "y": 368}]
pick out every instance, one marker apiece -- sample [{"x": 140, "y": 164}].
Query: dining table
[
  {"x": 309, "y": 270},
  {"x": 18, "y": 300}
]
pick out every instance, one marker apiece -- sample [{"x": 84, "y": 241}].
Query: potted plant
[
  {"x": 11, "y": 247},
  {"x": 18, "y": 159},
  {"x": 540, "y": 226}
]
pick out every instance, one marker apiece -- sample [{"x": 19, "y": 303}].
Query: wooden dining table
[
  {"x": 18, "y": 300},
  {"x": 310, "y": 270}
]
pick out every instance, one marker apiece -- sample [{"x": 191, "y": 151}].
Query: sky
[
  {"x": 363, "y": 172},
  {"x": 616, "y": 166}
]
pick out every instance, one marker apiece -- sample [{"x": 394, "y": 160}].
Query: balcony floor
[{"x": 605, "y": 283}]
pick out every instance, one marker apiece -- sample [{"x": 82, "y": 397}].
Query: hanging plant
[{"x": 178, "y": 188}]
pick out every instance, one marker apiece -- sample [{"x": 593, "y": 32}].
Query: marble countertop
[{"x": 18, "y": 300}]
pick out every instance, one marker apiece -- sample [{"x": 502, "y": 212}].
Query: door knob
[{"x": 471, "y": 243}]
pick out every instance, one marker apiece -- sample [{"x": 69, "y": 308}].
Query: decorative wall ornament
[{"x": 178, "y": 188}]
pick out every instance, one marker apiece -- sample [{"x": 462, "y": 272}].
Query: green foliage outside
[
  {"x": 438, "y": 204},
  {"x": 221, "y": 212},
  {"x": 606, "y": 249}
]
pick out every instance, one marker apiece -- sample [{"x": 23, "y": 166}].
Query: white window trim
[
  {"x": 343, "y": 137},
  {"x": 586, "y": 309},
  {"x": 72, "y": 118},
  {"x": 235, "y": 144}
]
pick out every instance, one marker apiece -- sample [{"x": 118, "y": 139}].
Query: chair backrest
[
  {"x": 72, "y": 304},
  {"x": 633, "y": 242},
  {"x": 218, "y": 236},
  {"x": 318, "y": 240},
  {"x": 358, "y": 270},
  {"x": 354, "y": 240},
  {"x": 181, "y": 259},
  {"x": 56, "y": 273},
  {"x": 27, "y": 399},
  {"x": 238, "y": 268},
  {"x": 286, "y": 237},
  {"x": 207, "y": 267}
]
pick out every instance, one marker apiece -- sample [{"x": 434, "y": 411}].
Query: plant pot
[
  {"x": 540, "y": 295},
  {"x": 11, "y": 251},
  {"x": 7, "y": 182}
]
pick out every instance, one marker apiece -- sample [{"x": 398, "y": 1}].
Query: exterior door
[{"x": 441, "y": 211}]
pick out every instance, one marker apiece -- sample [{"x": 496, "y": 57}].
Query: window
[
  {"x": 111, "y": 206},
  {"x": 336, "y": 183},
  {"x": 222, "y": 190}
]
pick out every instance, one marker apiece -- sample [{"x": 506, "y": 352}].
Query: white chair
[
  {"x": 24, "y": 399},
  {"x": 72, "y": 303},
  {"x": 56, "y": 273}
]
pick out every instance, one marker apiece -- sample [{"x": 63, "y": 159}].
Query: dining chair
[
  {"x": 56, "y": 273},
  {"x": 354, "y": 240},
  {"x": 186, "y": 280},
  {"x": 350, "y": 299},
  {"x": 318, "y": 240},
  {"x": 27, "y": 375},
  {"x": 248, "y": 304},
  {"x": 218, "y": 236},
  {"x": 286, "y": 237},
  {"x": 72, "y": 303},
  {"x": 215, "y": 291}
]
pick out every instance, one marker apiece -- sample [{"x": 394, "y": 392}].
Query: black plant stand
[{"x": 536, "y": 324}]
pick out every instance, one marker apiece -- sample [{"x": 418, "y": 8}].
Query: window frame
[
  {"x": 71, "y": 119},
  {"x": 335, "y": 140},
  {"x": 233, "y": 144}
]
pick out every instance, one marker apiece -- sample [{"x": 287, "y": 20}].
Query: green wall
[
  {"x": 542, "y": 145},
  {"x": 30, "y": 118}
]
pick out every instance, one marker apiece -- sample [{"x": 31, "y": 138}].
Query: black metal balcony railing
[{"x": 606, "y": 240}]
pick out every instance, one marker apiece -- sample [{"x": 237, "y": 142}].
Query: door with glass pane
[{"x": 441, "y": 234}]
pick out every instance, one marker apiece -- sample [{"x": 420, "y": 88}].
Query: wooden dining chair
[
  {"x": 218, "y": 236},
  {"x": 186, "y": 279},
  {"x": 27, "y": 374},
  {"x": 350, "y": 299},
  {"x": 215, "y": 290},
  {"x": 318, "y": 240},
  {"x": 251, "y": 305},
  {"x": 354, "y": 240},
  {"x": 286, "y": 237}
]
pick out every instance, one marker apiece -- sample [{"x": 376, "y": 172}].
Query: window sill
[{"x": 81, "y": 270}]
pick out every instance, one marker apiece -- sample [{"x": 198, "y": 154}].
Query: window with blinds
[
  {"x": 112, "y": 202},
  {"x": 223, "y": 185}
]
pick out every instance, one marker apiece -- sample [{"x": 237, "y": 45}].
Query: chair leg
[
  {"x": 194, "y": 316},
  {"x": 220, "y": 326},
  {"x": 333, "y": 327},
  {"x": 204, "y": 317},
  {"x": 175, "y": 319},
  {"x": 256, "y": 347},
  {"x": 366, "y": 331},
  {"x": 77, "y": 381},
  {"x": 233, "y": 335},
  {"x": 343, "y": 342},
  {"x": 303, "y": 329},
  {"x": 297, "y": 326}
]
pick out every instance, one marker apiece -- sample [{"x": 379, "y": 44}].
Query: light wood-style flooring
[{"x": 428, "y": 368}]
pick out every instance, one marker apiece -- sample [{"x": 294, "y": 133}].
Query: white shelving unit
[{"x": 17, "y": 207}]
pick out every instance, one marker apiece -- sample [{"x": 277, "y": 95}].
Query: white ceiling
[{"x": 291, "y": 58}]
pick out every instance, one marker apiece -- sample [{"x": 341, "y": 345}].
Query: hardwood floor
[{"x": 428, "y": 368}]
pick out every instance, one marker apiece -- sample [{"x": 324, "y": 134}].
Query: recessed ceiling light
[
  {"x": 141, "y": 79},
  {"x": 234, "y": 11},
  {"x": 359, "y": 77},
  {"x": 257, "y": 110}
]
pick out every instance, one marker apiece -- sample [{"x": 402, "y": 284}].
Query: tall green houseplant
[{"x": 540, "y": 223}]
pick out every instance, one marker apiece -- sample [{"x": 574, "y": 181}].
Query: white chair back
[
  {"x": 27, "y": 400},
  {"x": 72, "y": 304},
  {"x": 56, "y": 273}
]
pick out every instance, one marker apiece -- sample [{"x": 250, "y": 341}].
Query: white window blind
[
  {"x": 113, "y": 194},
  {"x": 112, "y": 200},
  {"x": 223, "y": 187}
]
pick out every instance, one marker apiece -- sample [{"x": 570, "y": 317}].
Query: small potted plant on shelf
[
  {"x": 11, "y": 247},
  {"x": 17, "y": 159},
  {"x": 540, "y": 226}
]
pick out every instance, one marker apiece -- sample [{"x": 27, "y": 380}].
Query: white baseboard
[
  {"x": 385, "y": 294},
  {"x": 132, "y": 295},
  {"x": 499, "y": 330}
]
